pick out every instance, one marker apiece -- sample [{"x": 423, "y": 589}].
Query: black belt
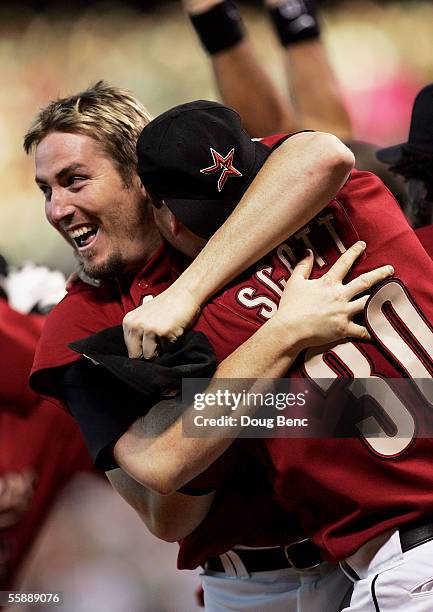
[
  {"x": 302, "y": 555},
  {"x": 415, "y": 533},
  {"x": 412, "y": 534}
]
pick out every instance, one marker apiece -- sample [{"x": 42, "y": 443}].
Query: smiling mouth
[{"x": 84, "y": 235}]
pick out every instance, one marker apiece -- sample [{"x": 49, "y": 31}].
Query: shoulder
[{"x": 83, "y": 311}]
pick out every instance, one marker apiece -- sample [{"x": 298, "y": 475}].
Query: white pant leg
[
  {"x": 394, "y": 581},
  {"x": 321, "y": 589},
  {"x": 324, "y": 589},
  {"x": 265, "y": 591}
]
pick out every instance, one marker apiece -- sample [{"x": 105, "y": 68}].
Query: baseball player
[
  {"x": 84, "y": 191},
  {"x": 372, "y": 510}
]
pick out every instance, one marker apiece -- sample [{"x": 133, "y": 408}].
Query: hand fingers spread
[
  {"x": 303, "y": 268},
  {"x": 343, "y": 264},
  {"x": 358, "y": 331},
  {"x": 367, "y": 280},
  {"x": 357, "y": 306}
]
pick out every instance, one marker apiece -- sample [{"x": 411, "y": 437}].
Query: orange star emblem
[{"x": 225, "y": 164}]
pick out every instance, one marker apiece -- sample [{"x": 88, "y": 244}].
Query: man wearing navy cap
[{"x": 383, "y": 545}]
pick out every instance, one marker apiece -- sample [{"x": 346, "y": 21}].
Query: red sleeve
[
  {"x": 83, "y": 311},
  {"x": 19, "y": 334}
]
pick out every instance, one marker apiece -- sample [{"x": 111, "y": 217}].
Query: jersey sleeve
[
  {"x": 19, "y": 334},
  {"x": 103, "y": 406},
  {"x": 83, "y": 311}
]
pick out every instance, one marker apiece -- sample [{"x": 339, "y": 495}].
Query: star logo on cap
[{"x": 222, "y": 163}]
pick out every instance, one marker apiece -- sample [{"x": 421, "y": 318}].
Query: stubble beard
[
  {"x": 112, "y": 268},
  {"x": 136, "y": 228}
]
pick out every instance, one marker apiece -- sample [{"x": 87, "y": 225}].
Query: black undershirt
[{"x": 104, "y": 408}]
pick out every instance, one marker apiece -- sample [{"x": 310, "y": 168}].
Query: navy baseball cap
[
  {"x": 421, "y": 130},
  {"x": 199, "y": 160}
]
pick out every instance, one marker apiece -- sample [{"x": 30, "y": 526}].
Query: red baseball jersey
[
  {"x": 254, "y": 519},
  {"x": 425, "y": 236},
  {"x": 34, "y": 436},
  {"x": 348, "y": 490}
]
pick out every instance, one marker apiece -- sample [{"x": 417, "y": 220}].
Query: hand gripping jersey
[{"x": 348, "y": 490}]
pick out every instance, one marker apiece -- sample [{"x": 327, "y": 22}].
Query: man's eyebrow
[{"x": 63, "y": 172}]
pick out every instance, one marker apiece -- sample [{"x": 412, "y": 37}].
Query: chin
[{"x": 110, "y": 268}]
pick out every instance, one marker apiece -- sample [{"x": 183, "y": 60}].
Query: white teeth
[{"x": 81, "y": 230}]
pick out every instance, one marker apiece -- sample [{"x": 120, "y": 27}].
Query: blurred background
[
  {"x": 94, "y": 548},
  {"x": 381, "y": 52}
]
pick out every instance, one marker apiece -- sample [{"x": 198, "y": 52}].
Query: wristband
[{"x": 219, "y": 28}]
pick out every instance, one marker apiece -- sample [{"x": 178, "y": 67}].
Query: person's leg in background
[
  {"x": 244, "y": 84},
  {"x": 312, "y": 82},
  {"x": 241, "y": 79}
]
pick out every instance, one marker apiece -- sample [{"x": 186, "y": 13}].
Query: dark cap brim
[
  {"x": 391, "y": 155},
  {"x": 204, "y": 217}
]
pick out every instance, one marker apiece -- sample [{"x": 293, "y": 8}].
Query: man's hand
[
  {"x": 320, "y": 311},
  {"x": 162, "y": 319}
]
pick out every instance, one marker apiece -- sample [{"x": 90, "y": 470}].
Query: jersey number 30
[{"x": 396, "y": 323}]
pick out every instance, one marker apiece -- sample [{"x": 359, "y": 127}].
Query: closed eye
[
  {"x": 45, "y": 190},
  {"x": 76, "y": 181}
]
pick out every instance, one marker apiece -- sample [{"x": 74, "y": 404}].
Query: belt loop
[
  {"x": 238, "y": 564},
  {"x": 227, "y": 565},
  {"x": 349, "y": 572}
]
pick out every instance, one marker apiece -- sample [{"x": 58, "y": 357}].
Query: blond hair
[{"x": 110, "y": 115}]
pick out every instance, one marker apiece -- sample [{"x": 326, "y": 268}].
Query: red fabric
[
  {"x": 425, "y": 236},
  {"x": 86, "y": 310},
  {"x": 19, "y": 334},
  {"x": 47, "y": 441},
  {"x": 253, "y": 517},
  {"x": 341, "y": 499},
  {"x": 34, "y": 435},
  {"x": 348, "y": 501}
]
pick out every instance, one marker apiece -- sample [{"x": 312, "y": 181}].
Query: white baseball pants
[
  {"x": 323, "y": 589},
  {"x": 390, "y": 580}
]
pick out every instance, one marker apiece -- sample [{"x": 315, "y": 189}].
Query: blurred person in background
[
  {"x": 41, "y": 447},
  {"x": 413, "y": 160}
]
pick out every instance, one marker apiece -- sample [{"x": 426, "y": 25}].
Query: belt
[
  {"x": 411, "y": 535},
  {"x": 415, "y": 533},
  {"x": 302, "y": 555}
]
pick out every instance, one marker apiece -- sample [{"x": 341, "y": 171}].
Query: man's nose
[{"x": 60, "y": 206}]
